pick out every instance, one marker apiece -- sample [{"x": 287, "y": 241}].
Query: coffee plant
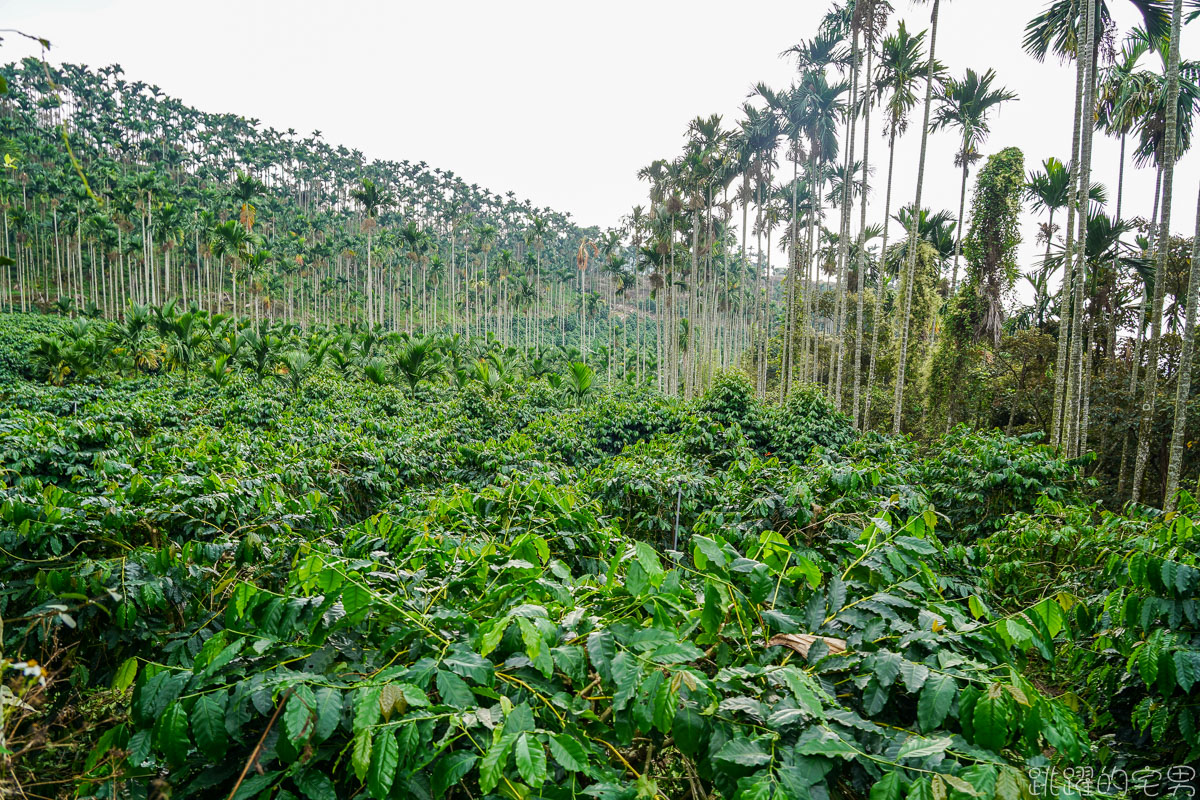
[{"x": 256, "y": 562}]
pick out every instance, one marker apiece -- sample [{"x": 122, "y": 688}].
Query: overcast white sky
[{"x": 558, "y": 102}]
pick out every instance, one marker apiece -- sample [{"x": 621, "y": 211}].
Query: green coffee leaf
[
  {"x": 385, "y": 758},
  {"x": 171, "y": 734},
  {"x": 937, "y": 695},
  {"x": 531, "y": 759},
  {"x": 208, "y": 725},
  {"x": 568, "y": 752}
]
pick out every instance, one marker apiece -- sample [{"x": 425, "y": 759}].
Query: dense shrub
[
  {"x": 979, "y": 479},
  {"x": 805, "y": 421},
  {"x": 1128, "y": 643},
  {"x": 731, "y": 401},
  {"x": 19, "y": 337}
]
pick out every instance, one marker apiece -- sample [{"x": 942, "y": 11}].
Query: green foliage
[
  {"x": 979, "y": 479},
  {"x": 990, "y": 246},
  {"x": 1128, "y": 638},
  {"x": 368, "y": 591},
  {"x": 580, "y": 381},
  {"x": 730, "y": 400},
  {"x": 805, "y": 421}
]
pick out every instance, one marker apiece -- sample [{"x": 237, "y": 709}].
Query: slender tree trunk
[
  {"x": 861, "y": 267},
  {"x": 1164, "y": 247},
  {"x": 898, "y": 399},
  {"x": 1183, "y": 385},
  {"x": 1065, "y": 292},
  {"x": 958, "y": 235},
  {"x": 837, "y": 350},
  {"x": 877, "y": 315},
  {"x": 1083, "y": 179},
  {"x": 785, "y": 357}
]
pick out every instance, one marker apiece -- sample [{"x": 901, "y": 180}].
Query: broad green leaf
[
  {"x": 712, "y": 615},
  {"x": 1008, "y": 785},
  {"x": 208, "y": 725},
  {"x": 568, "y": 752},
  {"x": 827, "y": 745},
  {"x": 171, "y": 734},
  {"x": 329, "y": 712},
  {"x": 1147, "y": 661},
  {"x": 937, "y": 695},
  {"x": 758, "y": 788},
  {"x": 316, "y": 786},
  {"x": 209, "y": 650},
  {"x": 491, "y": 766},
  {"x": 366, "y": 708},
  {"x": 676, "y": 653},
  {"x": 157, "y": 692},
  {"x": 991, "y": 720},
  {"x": 449, "y": 771},
  {"x": 255, "y": 785},
  {"x": 493, "y": 634},
  {"x": 886, "y": 666},
  {"x": 408, "y": 740},
  {"x": 355, "y": 598},
  {"x": 959, "y": 785},
  {"x": 1187, "y": 668},
  {"x": 300, "y": 716},
  {"x": 705, "y": 550},
  {"x": 744, "y": 753},
  {"x": 125, "y": 675},
  {"x": 519, "y": 720},
  {"x": 536, "y": 647},
  {"x": 570, "y": 660},
  {"x": 1051, "y": 613},
  {"x": 626, "y": 677},
  {"x": 648, "y": 558},
  {"x": 874, "y": 697},
  {"x": 454, "y": 690},
  {"x": 805, "y": 690},
  {"x": 531, "y": 759},
  {"x": 689, "y": 730},
  {"x": 385, "y": 758},
  {"x": 601, "y": 650},
  {"x": 811, "y": 572},
  {"x": 227, "y": 654},
  {"x": 889, "y": 787},
  {"x": 913, "y": 675},
  {"x": 360, "y": 758},
  {"x": 470, "y": 665},
  {"x": 413, "y": 695}
]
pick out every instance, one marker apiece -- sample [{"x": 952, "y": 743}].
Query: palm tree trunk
[
  {"x": 1183, "y": 385},
  {"x": 898, "y": 399},
  {"x": 1083, "y": 185},
  {"x": 1065, "y": 293},
  {"x": 877, "y": 315},
  {"x": 838, "y": 349},
  {"x": 370, "y": 283},
  {"x": 785, "y": 356},
  {"x": 1164, "y": 239},
  {"x": 958, "y": 230},
  {"x": 861, "y": 268}
]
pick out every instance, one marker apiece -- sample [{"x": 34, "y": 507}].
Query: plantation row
[{"x": 490, "y": 575}]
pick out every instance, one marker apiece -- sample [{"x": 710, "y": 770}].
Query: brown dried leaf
[{"x": 801, "y": 642}]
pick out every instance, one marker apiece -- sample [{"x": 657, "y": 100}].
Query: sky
[{"x": 560, "y": 103}]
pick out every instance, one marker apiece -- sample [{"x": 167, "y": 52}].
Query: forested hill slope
[{"x": 165, "y": 176}]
